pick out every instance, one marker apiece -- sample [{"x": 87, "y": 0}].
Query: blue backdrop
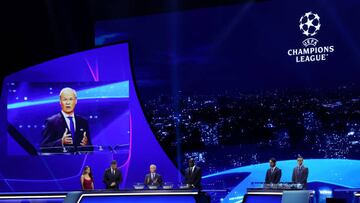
[{"x": 235, "y": 85}]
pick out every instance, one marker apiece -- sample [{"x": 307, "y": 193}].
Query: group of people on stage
[
  {"x": 299, "y": 175},
  {"x": 113, "y": 177}
]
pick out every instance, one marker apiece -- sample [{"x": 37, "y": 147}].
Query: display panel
[
  {"x": 38, "y": 119},
  {"x": 106, "y": 99}
]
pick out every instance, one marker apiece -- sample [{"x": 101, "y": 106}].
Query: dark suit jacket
[
  {"x": 273, "y": 177},
  {"x": 55, "y": 128},
  {"x": 300, "y": 177},
  {"x": 193, "y": 178},
  {"x": 156, "y": 181},
  {"x": 109, "y": 178}
]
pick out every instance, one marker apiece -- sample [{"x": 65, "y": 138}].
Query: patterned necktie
[{"x": 72, "y": 126}]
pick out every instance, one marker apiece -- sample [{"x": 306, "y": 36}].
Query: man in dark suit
[
  {"x": 153, "y": 178},
  {"x": 300, "y": 172},
  {"x": 193, "y": 175},
  {"x": 273, "y": 174},
  {"x": 112, "y": 177},
  {"x": 66, "y": 128}
]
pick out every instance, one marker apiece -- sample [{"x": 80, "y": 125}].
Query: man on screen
[
  {"x": 66, "y": 128},
  {"x": 273, "y": 174}
]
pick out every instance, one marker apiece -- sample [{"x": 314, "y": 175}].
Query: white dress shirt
[{"x": 192, "y": 169}]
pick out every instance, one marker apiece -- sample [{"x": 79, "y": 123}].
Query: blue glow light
[
  {"x": 117, "y": 90},
  {"x": 326, "y": 191}
]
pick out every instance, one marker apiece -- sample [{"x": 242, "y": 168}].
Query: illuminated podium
[
  {"x": 118, "y": 149},
  {"x": 278, "y": 193}
]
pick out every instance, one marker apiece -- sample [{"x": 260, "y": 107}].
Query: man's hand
[
  {"x": 113, "y": 184},
  {"x": 66, "y": 139},
  {"x": 84, "y": 141}
]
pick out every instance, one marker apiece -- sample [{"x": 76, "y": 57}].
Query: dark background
[{"x": 37, "y": 31}]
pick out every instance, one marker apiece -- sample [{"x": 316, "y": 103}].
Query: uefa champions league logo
[{"x": 309, "y": 25}]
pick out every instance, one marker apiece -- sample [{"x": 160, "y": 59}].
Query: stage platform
[{"x": 131, "y": 196}]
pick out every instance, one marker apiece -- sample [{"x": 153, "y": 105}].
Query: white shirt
[
  {"x": 192, "y": 169},
  {"x": 68, "y": 121}
]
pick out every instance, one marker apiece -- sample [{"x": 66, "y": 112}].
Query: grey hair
[{"x": 66, "y": 89}]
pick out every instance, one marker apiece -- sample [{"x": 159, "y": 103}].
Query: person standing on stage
[
  {"x": 300, "y": 173},
  {"x": 193, "y": 175},
  {"x": 87, "y": 179},
  {"x": 112, "y": 177},
  {"x": 273, "y": 174},
  {"x": 153, "y": 178}
]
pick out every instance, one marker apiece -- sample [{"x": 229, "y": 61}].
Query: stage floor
[{"x": 131, "y": 196}]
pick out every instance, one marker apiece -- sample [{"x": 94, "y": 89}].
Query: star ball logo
[{"x": 309, "y": 25}]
